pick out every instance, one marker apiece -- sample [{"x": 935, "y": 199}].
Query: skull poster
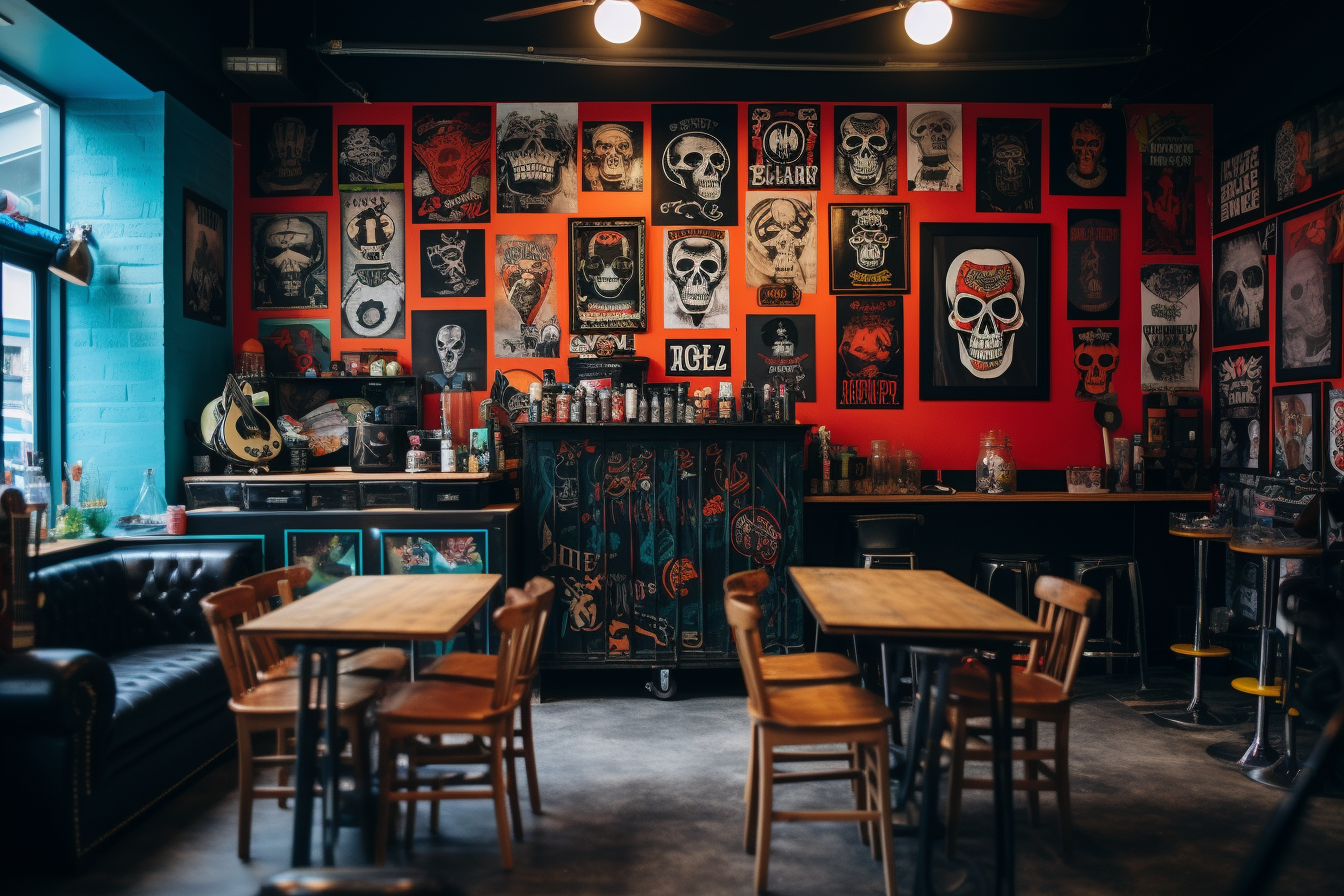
[
  {"x": 1008, "y": 165},
  {"x": 1241, "y": 408},
  {"x": 1170, "y": 315},
  {"x": 781, "y": 243},
  {"x": 1307, "y": 316},
  {"x": 450, "y": 164},
  {"x": 606, "y": 269},
  {"x": 1094, "y": 264},
  {"x": 695, "y": 278},
  {"x": 370, "y": 155},
  {"x": 1334, "y": 446},
  {"x": 1096, "y": 354},
  {"x": 933, "y": 158},
  {"x": 784, "y": 150},
  {"x": 289, "y": 261},
  {"x": 870, "y": 360},
  {"x": 783, "y": 347},
  {"x": 289, "y": 150},
  {"x": 1239, "y": 179},
  {"x": 446, "y": 343},
  {"x": 865, "y": 159},
  {"x": 1087, "y": 152},
  {"x": 870, "y": 248},
  {"x": 693, "y": 151},
  {"x": 613, "y": 156},
  {"x": 373, "y": 264},
  {"x": 1297, "y": 417},
  {"x": 526, "y": 323},
  {"x": 1167, "y": 148},
  {"x": 1240, "y": 288},
  {"x": 985, "y": 312},
  {"x": 537, "y": 157},
  {"x": 452, "y": 263},
  {"x": 295, "y": 345},
  {"x": 205, "y": 260}
]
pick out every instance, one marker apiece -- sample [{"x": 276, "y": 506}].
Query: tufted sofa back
[{"x": 138, "y": 595}]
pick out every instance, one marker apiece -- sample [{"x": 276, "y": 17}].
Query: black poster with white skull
[
  {"x": 1096, "y": 354},
  {"x": 1087, "y": 152},
  {"x": 1241, "y": 408},
  {"x": 445, "y": 343},
  {"x": 1239, "y": 176},
  {"x": 452, "y": 263},
  {"x": 695, "y": 278},
  {"x": 1240, "y": 288},
  {"x": 536, "y": 157},
  {"x": 373, "y": 264},
  {"x": 1169, "y": 297},
  {"x": 781, "y": 243},
  {"x": 1307, "y": 314},
  {"x": 865, "y": 160},
  {"x": 289, "y": 261},
  {"x": 783, "y": 347},
  {"x": 526, "y": 323},
  {"x": 870, "y": 359},
  {"x": 289, "y": 151},
  {"x": 450, "y": 164},
  {"x": 694, "y": 152},
  {"x": 1008, "y": 165},
  {"x": 606, "y": 272},
  {"x": 1094, "y": 264},
  {"x": 785, "y": 154},
  {"x": 370, "y": 155},
  {"x": 613, "y": 157},
  {"x": 205, "y": 259},
  {"x": 1167, "y": 147},
  {"x": 870, "y": 248}
]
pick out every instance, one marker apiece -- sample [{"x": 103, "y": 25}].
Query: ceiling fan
[
  {"x": 1035, "y": 9},
  {"x": 683, "y": 15}
]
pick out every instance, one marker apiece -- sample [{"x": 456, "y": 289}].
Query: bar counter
[{"x": 1017, "y": 498}]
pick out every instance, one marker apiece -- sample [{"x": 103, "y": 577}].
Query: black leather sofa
[{"x": 124, "y": 698}]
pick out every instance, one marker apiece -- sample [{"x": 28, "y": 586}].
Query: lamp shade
[
  {"x": 928, "y": 21},
  {"x": 617, "y": 21},
  {"x": 73, "y": 260}
]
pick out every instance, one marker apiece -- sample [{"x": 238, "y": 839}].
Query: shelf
[
  {"x": 347, "y": 476},
  {"x": 1017, "y": 498}
]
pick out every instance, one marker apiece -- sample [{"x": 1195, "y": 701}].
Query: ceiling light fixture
[
  {"x": 928, "y": 21},
  {"x": 616, "y": 21}
]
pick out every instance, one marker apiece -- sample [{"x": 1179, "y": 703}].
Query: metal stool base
[
  {"x": 1232, "y": 752},
  {"x": 1154, "y": 695},
  {"x": 1203, "y": 717},
  {"x": 1280, "y": 775}
]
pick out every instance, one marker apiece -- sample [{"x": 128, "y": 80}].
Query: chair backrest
[
  {"x": 225, "y": 611},
  {"x": 745, "y": 618},
  {"x": 887, "y": 533},
  {"x": 515, "y": 621},
  {"x": 1065, "y": 609},
  {"x": 269, "y": 586},
  {"x": 746, "y": 585},
  {"x": 543, "y": 590}
]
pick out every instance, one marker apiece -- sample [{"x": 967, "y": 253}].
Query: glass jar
[
  {"x": 906, "y": 474},
  {"x": 879, "y": 468},
  {"x": 995, "y": 470}
]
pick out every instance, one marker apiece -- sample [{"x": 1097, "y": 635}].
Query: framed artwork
[
  {"x": 1240, "y": 288},
  {"x": 870, "y": 359},
  {"x": 602, "y": 345},
  {"x": 289, "y": 261},
  {"x": 446, "y": 343},
  {"x": 295, "y": 346},
  {"x": 933, "y": 159},
  {"x": 205, "y": 240},
  {"x": 537, "y": 157},
  {"x": 289, "y": 151},
  {"x": 1087, "y": 152},
  {"x": 870, "y": 248},
  {"x": 452, "y": 263},
  {"x": 1008, "y": 165},
  {"x": 1290, "y": 145},
  {"x": 785, "y": 154},
  {"x": 613, "y": 157},
  {"x": 373, "y": 264},
  {"x": 433, "y": 551},
  {"x": 370, "y": 156},
  {"x": 331, "y": 554},
  {"x": 1093, "y": 289},
  {"x": 984, "y": 312},
  {"x": 1239, "y": 179},
  {"x": 1333, "y": 449},
  {"x": 1167, "y": 149},
  {"x": 695, "y": 278},
  {"x": 526, "y": 323},
  {"x": 1096, "y": 355},
  {"x": 783, "y": 347},
  {"x": 1297, "y": 417},
  {"x": 694, "y": 171},
  {"x": 1170, "y": 317},
  {"x": 781, "y": 242},
  {"x": 1307, "y": 314},
  {"x": 865, "y": 159},
  {"x": 607, "y": 290},
  {"x": 1241, "y": 409},
  {"x": 450, "y": 164}
]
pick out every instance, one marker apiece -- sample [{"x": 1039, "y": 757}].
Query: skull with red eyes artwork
[
  {"x": 1096, "y": 354},
  {"x": 607, "y": 275},
  {"x": 984, "y": 290}
]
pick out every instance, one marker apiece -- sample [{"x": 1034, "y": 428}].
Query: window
[{"x": 26, "y": 126}]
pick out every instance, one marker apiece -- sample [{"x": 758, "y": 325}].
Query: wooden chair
[
  {"x": 1041, "y": 693},
  {"x": 270, "y": 706},
  {"x": 790, "y": 668},
  {"x": 437, "y": 708},
  {"x": 815, "y": 714}
]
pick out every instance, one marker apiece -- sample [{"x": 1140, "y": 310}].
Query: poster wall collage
[{"x": 726, "y": 194}]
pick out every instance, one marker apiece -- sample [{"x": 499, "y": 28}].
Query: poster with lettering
[
  {"x": 526, "y": 322},
  {"x": 870, "y": 248},
  {"x": 784, "y": 150},
  {"x": 205, "y": 261},
  {"x": 1241, "y": 408},
  {"x": 450, "y": 164},
  {"x": 1239, "y": 177},
  {"x": 373, "y": 264},
  {"x": 1094, "y": 264},
  {"x": 692, "y": 167},
  {"x": 1167, "y": 149},
  {"x": 870, "y": 360},
  {"x": 783, "y": 347},
  {"x": 1170, "y": 315}
]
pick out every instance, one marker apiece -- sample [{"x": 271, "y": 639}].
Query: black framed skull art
[
  {"x": 606, "y": 272},
  {"x": 1240, "y": 288},
  {"x": 289, "y": 260},
  {"x": 865, "y": 158},
  {"x": 694, "y": 169}
]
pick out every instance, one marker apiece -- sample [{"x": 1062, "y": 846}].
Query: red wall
[{"x": 1045, "y": 435}]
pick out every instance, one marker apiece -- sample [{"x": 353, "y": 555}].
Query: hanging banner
[{"x": 1170, "y": 297}]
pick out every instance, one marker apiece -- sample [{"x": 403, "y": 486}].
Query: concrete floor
[{"x": 645, "y": 797}]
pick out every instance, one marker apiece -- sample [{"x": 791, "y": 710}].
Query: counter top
[
  {"x": 347, "y": 476},
  {"x": 1016, "y": 498}
]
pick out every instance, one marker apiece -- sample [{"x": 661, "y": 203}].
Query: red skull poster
[
  {"x": 450, "y": 164},
  {"x": 1096, "y": 354},
  {"x": 870, "y": 360},
  {"x": 1167, "y": 145},
  {"x": 1087, "y": 152}
]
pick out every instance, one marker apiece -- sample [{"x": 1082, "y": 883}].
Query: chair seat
[
  {"x": 443, "y": 703},
  {"x": 281, "y": 697},
  {"x": 467, "y": 667},
  {"x": 825, "y": 706},
  {"x": 970, "y": 688},
  {"x": 804, "y": 668},
  {"x": 384, "y": 662}
]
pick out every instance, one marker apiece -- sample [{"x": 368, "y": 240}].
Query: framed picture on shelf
[
  {"x": 332, "y": 554},
  {"x": 434, "y": 551},
  {"x": 1241, "y": 409},
  {"x": 606, "y": 271},
  {"x": 1296, "y": 410},
  {"x": 1307, "y": 313},
  {"x": 870, "y": 248}
]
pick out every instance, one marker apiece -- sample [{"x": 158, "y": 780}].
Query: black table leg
[
  {"x": 919, "y": 714},
  {"x": 305, "y": 764},
  {"x": 928, "y": 809},
  {"x": 331, "y": 782},
  {"x": 1001, "y": 723}
]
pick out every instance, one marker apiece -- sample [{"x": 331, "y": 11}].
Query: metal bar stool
[
  {"x": 1025, "y": 569},
  {"x": 883, "y": 541},
  {"x": 1113, "y": 566}
]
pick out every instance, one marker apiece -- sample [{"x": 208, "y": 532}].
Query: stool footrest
[
  {"x": 1251, "y": 685},
  {"x": 1189, "y": 650}
]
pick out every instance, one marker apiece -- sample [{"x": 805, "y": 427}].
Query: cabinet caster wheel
[{"x": 663, "y": 686}]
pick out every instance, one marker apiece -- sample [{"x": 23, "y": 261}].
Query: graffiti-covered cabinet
[{"x": 638, "y": 524}]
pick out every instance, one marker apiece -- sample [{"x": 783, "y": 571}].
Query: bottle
[
  {"x": 748, "y": 407},
  {"x": 576, "y": 404},
  {"x": 655, "y": 408},
  {"x": 631, "y": 402},
  {"x": 604, "y": 405},
  {"x": 683, "y": 391},
  {"x": 562, "y": 401},
  {"x": 726, "y": 402},
  {"x": 767, "y": 403},
  {"x": 534, "y": 403},
  {"x": 643, "y": 413},
  {"x": 447, "y": 454},
  {"x": 1136, "y": 476},
  {"x": 617, "y": 406},
  {"x": 151, "y": 502},
  {"x": 590, "y": 407},
  {"x": 669, "y": 405},
  {"x": 785, "y": 391}
]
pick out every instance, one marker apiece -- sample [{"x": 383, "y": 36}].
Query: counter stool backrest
[
  {"x": 281, "y": 583},
  {"x": 516, "y": 621},
  {"x": 1065, "y": 609},
  {"x": 886, "y": 534},
  {"x": 225, "y": 611},
  {"x": 746, "y": 585},
  {"x": 745, "y": 618}
]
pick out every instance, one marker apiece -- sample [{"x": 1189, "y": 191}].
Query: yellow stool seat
[
  {"x": 1189, "y": 650},
  {"x": 1251, "y": 685}
]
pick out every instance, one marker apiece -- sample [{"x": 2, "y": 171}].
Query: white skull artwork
[
  {"x": 532, "y": 151},
  {"x": 608, "y": 265},
  {"x": 931, "y": 132},
  {"x": 865, "y": 142},
  {"x": 984, "y": 290},
  {"x": 696, "y": 265},
  {"x": 450, "y": 343},
  {"x": 698, "y": 162},
  {"x": 290, "y": 248},
  {"x": 614, "y": 152},
  {"x": 1241, "y": 281},
  {"x": 780, "y": 227},
  {"x": 1306, "y": 320},
  {"x": 868, "y": 238}
]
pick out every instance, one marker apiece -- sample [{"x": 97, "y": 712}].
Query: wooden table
[
  {"x": 354, "y": 610},
  {"x": 931, "y": 612}
]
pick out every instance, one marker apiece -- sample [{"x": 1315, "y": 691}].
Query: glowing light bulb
[
  {"x": 927, "y": 22},
  {"x": 616, "y": 20}
]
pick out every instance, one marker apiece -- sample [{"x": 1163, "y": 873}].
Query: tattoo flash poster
[
  {"x": 870, "y": 248},
  {"x": 865, "y": 159},
  {"x": 1240, "y": 288},
  {"x": 870, "y": 361},
  {"x": 1170, "y": 296},
  {"x": 1296, "y": 411},
  {"x": 1096, "y": 354},
  {"x": 373, "y": 262},
  {"x": 370, "y": 155},
  {"x": 1308, "y": 308},
  {"x": 1087, "y": 152},
  {"x": 1334, "y": 446},
  {"x": 1240, "y": 180},
  {"x": 1008, "y": 165},
  {"x": 1241, "y": 399},
  {"x": 784, "y": 147},
  {"x": 290, "y": 150},
  {"x": 446, "y": 343},
  {"x": 783, "y": 346},
  {"x": 695, "y": 278},
  {"x": 452, "y": 263},
  {"x": 526, "y": 322},
  {"x": 450, "y": 164},
  {"x": 289, "y": 261},
  {"x": 933, "y": 160},
  {"x": 781, "y": 242},
  {"x": 695, "y": 181},
  {"x": 613, "y": 156},
  {"x": 537, "y": 157},
  {"x": 204, "y": 237},
  {"x": 1167, "y": 147},
  {"x": 1094, "y": 264}
]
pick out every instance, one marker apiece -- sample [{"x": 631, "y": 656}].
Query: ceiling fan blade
[
  {"x": 841, "y": 20},
  {"x": 540, "y": 10},
  {"x": 1034, "y": 9},
  {"x": 683, "y": 15}
]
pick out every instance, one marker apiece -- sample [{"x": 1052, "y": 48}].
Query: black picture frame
[
  {"x": 290, "y": 151},
  {"x": 583, "y": 232},
  {"x": 854, "y": 225},
  {"x": 943, "y": 375},
  {"x": 1294, "y": 237},
  {"x": 1296, "y": 410},
  {"x": 452, "y": 263},
  {"x": 1241, "y": 409},
  {"x": 1236, "y": 318},
  {"x": 1081, "y": 136},
  {"x": 205, "y": 260}
]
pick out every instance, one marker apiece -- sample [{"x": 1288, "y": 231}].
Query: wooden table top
[
  {"x": 1277, "y": 550},
  {"x": 1211, "y": 534},
  {"x": 916, "y": 605},
  {"x": 381, "y": 608}
]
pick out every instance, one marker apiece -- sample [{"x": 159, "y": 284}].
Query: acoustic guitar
[{"x": 233, "y": 428}]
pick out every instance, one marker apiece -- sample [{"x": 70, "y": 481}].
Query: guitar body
[{"x": 237, "y": 431}]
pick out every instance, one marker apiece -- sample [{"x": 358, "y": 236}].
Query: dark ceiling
[{"x": 1250, "y": 58}]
